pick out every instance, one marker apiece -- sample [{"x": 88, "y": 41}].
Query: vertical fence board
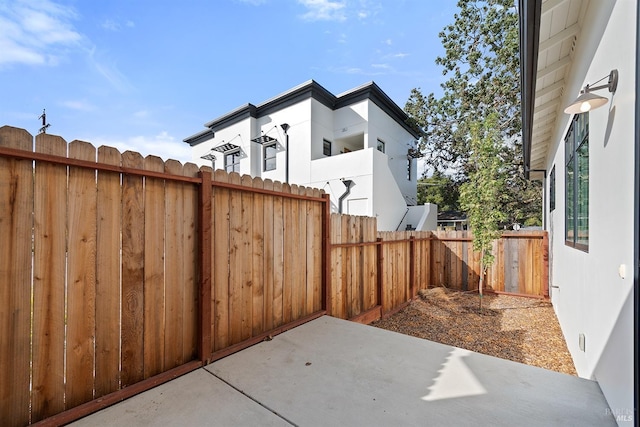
[
  {"x": 268, "y": 236},
  {"x": 287, "y": 286},
  {"x": 16, "y": 222},
  {"x": 311, "y": 225},
  {"x": 175, "y": 265},
  {"x": 317, "y": 251},
  {"x": 109, "y": 214},
  {"x": 537, "y": 265},
  {"x": 50, "y": 209},
  {"x": 346, "y": 265},
  {"x": 352, "y": 266},
  {"x": 81, "y": 273},
  {"x": 336, "y": 267},
  {"x": 278, "y": 257},
  {"x": 132, "y": 354},
  {"x": 235, "y": 262},
  {"x": 247, "y": 199},
  {"x": 190, "y": 228},
  {"x": 154, "y": 303},
  {"x": 370, "y": 264},
  {"x": 258, "y": 263},
  {"x": 221, "y": 262},
  {"x": 293, "y": 271},
  {"x": 300, "y": 240}
]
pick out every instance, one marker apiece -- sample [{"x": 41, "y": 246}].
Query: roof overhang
[
  {"x": 309, "y": 89},
  {"x": 548, "y": 33}
]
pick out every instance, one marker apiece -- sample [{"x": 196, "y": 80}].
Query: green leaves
[
  {"x": 480, "y": 196},
  {"x": 481, "y": 62}
]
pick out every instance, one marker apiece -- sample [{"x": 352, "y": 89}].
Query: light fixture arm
[{"x": 612, "y": 84}]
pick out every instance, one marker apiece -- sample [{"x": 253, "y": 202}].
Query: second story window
[
  {"x": 232, "y": 161},
  {"x": 380, "y": 146},
  {"x": 326, "y": 147},
  {"x": 269, "y": 151},
  {"x": 409, "y": 162}
]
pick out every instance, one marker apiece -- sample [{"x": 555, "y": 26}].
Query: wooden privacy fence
[
  {"x": 374, "y": 274},
  {"x": 119, "y": 272}
]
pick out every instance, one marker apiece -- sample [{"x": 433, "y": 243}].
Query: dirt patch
[{"x": 521, "y": 329}]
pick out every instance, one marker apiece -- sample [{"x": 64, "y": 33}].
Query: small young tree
[{"x": 480, "y": 197}]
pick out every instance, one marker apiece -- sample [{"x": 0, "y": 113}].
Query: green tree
[
  {"x": 480, "y": 195},
  {"x": 440, "y": 189},
  {"x": 482, "y": 62}
]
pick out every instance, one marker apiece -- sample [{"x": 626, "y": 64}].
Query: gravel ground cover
[{"x": 521, "y": 329}]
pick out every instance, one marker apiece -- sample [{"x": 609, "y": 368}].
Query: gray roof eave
[
  {"x": 199, "y": 137},
  {"x": 308, "y": 89},
  {"x": 530, "y": 11}
]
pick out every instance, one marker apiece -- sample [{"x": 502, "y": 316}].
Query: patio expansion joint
[{"x": 253, "y": 399}]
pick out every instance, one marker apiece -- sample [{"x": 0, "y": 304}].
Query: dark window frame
[
  {"x": 577, "y": 183},
  {"x": 326, "y": 147},
  {"x": 381, "y": 144},
  {"x": 269, "y": 152},
  {"x": 234, "y": 166}
]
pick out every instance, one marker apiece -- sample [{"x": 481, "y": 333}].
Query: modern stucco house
[
  {"x": 588, "y": 159},
  {"x": 357, "y": 146}
]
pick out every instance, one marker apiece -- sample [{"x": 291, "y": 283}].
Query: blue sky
[{"x": 143, "y": 75}]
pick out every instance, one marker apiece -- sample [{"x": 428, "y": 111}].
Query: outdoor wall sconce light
[{"x": 588, "y": 101}]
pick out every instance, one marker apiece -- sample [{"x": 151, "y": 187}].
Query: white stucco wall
[
  {"x": 398, "y": 142},
  {"x": 421, "y": 217},
  {"x": 589, "y": 295},
  {"x": 380, "y": 179}
]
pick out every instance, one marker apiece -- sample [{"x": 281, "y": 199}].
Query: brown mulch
[{"x": 521, "y": 329}]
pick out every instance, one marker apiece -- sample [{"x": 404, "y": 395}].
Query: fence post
[
  {"x": 545, "y": 264},
  {"x": 326, "y": 254},
  {"x": 412, "y": 266},
  {"x": 204, "y": 266},
  {"x": 379, "y": 277}
]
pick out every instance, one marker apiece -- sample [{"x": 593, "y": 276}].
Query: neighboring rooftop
[{"x": 309, "y": 89}]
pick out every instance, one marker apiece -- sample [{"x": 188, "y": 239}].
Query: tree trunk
[{"x": 481, "y": 283}]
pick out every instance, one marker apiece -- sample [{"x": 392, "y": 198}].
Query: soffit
[{"x": 560, "y": 24}]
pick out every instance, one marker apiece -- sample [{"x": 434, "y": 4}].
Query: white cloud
[
  {"x": 142, "y": 114},
  {"x": 388, "y": 42},
  {"x": 111, "y": 25},
  {"x": 109, "y": 70},
  {"x": 162, "y": 145},
  {"x": 36, "y": 32},
  {"x": 78, "y": 105},
  {"x": 381, "y": 66},
  {"x": 324, "y": 10},
  {"x": 397, "y": 55},
  {"x": 376, "y": 70}
]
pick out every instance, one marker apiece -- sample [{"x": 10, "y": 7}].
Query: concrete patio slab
[
  {"x": 334, "y": 372},
  {"x": 195, "y": 399}
]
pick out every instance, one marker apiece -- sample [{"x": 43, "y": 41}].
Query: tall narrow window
[
  {"x": 409, "y": 162},
  {"x": 326, "y": 147},
  {"x": 552, "y": 189},
  {"x": 232, "y": 161},
  {"x": 380, "y": 146},
  {"x": 576, "y": 146},
  {"x": 269, "y": 151}
]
